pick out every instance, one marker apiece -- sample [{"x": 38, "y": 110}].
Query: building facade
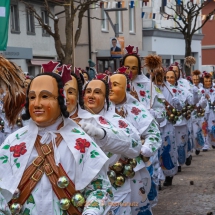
[
  {"x": 28, "y": 44},
  {"x": 208, "y": 43},
  {"x": 169, "y": 44}
]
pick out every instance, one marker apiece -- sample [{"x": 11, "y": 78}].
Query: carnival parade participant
[
  {"x": 12, "y": 94},
  {"x": 121, "y": 169},
  {"x": 132, "y": 110},
  {"x": 197, "y": 115},
  {"x": 35, "y": 176},
  {"x": 208, "y": 92},
  {"x": 147, "y": 94},
  {"x": 116, "y": 140}
]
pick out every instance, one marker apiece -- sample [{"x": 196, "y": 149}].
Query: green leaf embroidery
[
  {"x": 109, "y": 154},
  {"x": 26, "y": 212},
  {"x": 18, "y": 165},
  {"x": 156, "y": 139},
  {"x": 75, "y": 130},
  {"x": 134, "y": 181},
  {"x": 115, "y": 132},
  {"x": 157, "y": 90},
  {"x": 80, "y": 161},
  {"x": 15, "y": 160},
  {"x": 94, "y": 144},
  {"x": 159, "y": 100},
  {"x": 6, "y": 147},
  {"x": 93, "y": 154},
  {"x": 150, "y": 131},
  {"x": 135, "y": 118},
  {"x": 134, "y": 144},
  {"x": 94, "y": 204},
  {"x": 144, "y": 115},
  {"x": 30, "y": 199},
  {"x": 140, "y": 85},
  {"x": 138, "y": 159},
  {"x": 5, "y": 161},
  {"x": 153, "y": 149},
  {"x": 153, "y": 125},
  {"x": 99, "y": 194},
  {"x": 127, "y": 131},
  {"x": 151, "y": 138},
  {"x": 2, "y": 158},
  {"x": 17, "y": 136},
  {"x": 116, "y": 115}
]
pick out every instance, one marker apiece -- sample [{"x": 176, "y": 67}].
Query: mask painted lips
[
  {"x": 91, "y": 101},
  {"x": 38, "y": 112}
]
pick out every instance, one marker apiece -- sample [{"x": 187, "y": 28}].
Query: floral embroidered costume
[{"x": 62, "y": 152}]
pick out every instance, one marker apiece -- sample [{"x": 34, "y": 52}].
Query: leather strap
[{"x": 35, "y": 172}]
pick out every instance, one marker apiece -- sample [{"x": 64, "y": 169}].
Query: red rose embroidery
[
  {"x": 102, "y": 120},
  {"x": 174, "y": 90},
  {"x": 211, "y": 90},
  {"x": 203, "y": 91},
  {"x": 135, "y": 111},
  {"x": 142, "y": 93},
  {"x": 81, "y": 144},
  {"x": 18, "y": 150},
  {"x": 122, "y": 124}
]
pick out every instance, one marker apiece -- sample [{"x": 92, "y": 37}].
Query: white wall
[{"x": 42, "y": 46}]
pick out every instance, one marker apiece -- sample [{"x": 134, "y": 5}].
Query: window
[
  {"x": 163, "y": 4},
  {"x": 119, "y": 20},
  {"x": 45, "y": 18},
  {"x": 30, "y": 23},
  {"x": 104, "y": 19},
  {"x": 132, "y": 19},
  {"x": 14, "y": 18}
]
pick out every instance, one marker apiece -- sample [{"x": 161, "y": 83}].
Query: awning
[{"x": 39, "y": 62}]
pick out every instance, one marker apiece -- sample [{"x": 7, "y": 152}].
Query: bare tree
[
  {"x": 186, "y": 17},
  {"x": 72, "y": 9}
]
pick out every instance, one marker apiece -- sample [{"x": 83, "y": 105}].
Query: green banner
[{"x": 4, "y": 20}]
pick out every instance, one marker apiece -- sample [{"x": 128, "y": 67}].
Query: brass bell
[
  {"x": 120, "y": 180},
  {"x": 112, "y": 176},
  {"x": 202, "y": 114},
  {"x": 179, "y": 113},
  {"x": 131, "y": 175},
  {"x": 64, "y": 204},
  {"x": 19, "y": 119},
  {"x": 171, "y": 116},
  {"x": 176, "y": 118},
  {"x": 132, "y": 162},
  {"x": 78, "y": 200},
  {"x": 16, "y": 194},
  {"x": 188, "y": 107},
  {"x": 184, "y": 114},
  {"x": 127, "y": 170},
  {"x": 19, "y": 124},
  {"x": 184, "y": 109},
  {"x": 2, "y": 122},
  {"x": 168, "y": 106},
  {"x": 15, "y": 208},
  {"x": 174, "y": 110},
  {"x": 199, "y": 114},
  {"x": 188, "y": 112},
  {"x": 118, "y": 166},
  {"x": 63, "y": 182}
]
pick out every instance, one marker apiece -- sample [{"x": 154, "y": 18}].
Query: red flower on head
[
  {"x": 174, "y": 90},
  {"x": 103, "y": 120},
  {"x": 203, "y": 91},
  {"x": 211, "y": 90},
  {"x": 18, "y": 150},
  {"x": 81, "y": 144},
  {"x": 135, "y": 111},
  {"x": 142, "y": 93},
  {"x": 122, "y": 124}
]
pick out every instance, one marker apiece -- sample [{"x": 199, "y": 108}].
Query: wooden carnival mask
[
  {"x": 207, "y": 82},
  {"x": 131, "y": 62},
  {"x": 94, "y": 97},
  {"x": 170, "y": 77},
  {"x": 71, "y": 91},
  {"x": 118, "y": 88},
  {"x": 196, "y": 80},
  {"x": 43, "y": 100}
]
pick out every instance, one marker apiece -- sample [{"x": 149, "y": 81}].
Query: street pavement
[{"x": 182, "y": 198}]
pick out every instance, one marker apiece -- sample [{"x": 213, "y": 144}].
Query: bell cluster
[
  {"x": 121, "y": 170},
  {"x": 77, "y": 200}
]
